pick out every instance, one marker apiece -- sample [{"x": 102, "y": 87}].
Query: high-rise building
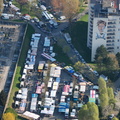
[{"x": 104, "y": 26}]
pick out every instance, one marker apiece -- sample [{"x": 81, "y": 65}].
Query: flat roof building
[{"x": 104, "y": 26}]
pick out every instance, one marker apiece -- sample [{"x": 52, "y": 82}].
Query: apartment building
[{"x": 104, "y": 26}]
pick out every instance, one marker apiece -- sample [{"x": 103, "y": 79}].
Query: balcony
[
  {"x": 111, "y": 23},
  {"x": 90, "y": 36},
  {"x": 110, "y": 48},
  {"x": 111, "y": 26},
  {"x": 91, "y": 32},
  {"x": 111, "y": 30},
  {"x": 111, "y": 37},
  {"x": 110, "y": 41},
  {"x": 111, "y": 45},
  {"x": 111, "y": 34}
]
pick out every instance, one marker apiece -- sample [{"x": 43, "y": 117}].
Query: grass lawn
[
  {"x": 78, "y": 33},
  {"x": 61, "y": 56},
  {"x": 82, "y": 8},
  {"x": 20, "y": 66}
]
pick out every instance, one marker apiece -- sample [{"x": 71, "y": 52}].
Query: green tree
[
  {"x": 108, "y": 63},
  {"x": 78, "y": 65},
  {"x": 11, "y": 110},
  {"x": 103, "y": 93},
  {"x": 101, "y": 52},
  {"x": 93, "y": 111},
  {"x": 118, "y": 58},
  {"x": 111, "y": 96},
  {"x": 83, "y": 113},
  {"x": 115, "y": 118},
  {"x": 89, "y": 112},
  {"x": 22, "y": 3},
  {"x": 110, "y": 93},
  {"x": 8, "y": 116}
]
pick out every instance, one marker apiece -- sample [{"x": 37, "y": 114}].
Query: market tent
[
  {"x": 31, "y": 115},
  {"x": 19, "y": 96},
  {"x": 53, "y": 93},
  {"x": 82, "y": 88}
]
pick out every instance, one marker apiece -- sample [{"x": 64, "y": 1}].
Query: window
[
  {"x": 118, "y": 40},
  {"x": 117, "y": 47}
]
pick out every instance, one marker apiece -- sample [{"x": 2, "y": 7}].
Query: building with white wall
[{"x": 104, "y": 26}]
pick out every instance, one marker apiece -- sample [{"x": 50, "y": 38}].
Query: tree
[
  {"x": 70, "y": 8},
  {"x": 118, "y": 58},
  {"x": 8, "y": 116},
  {"x": 11, "y": 110},
  {"x": 115, "y": 64},
  {"x": 78, "y": 66},
  {"x": 103, "y": 93},
  {"x": 83, "y": 113},
  {"x": 22, "y": 2},
  {"x": 111, "y": 96},
  {"x": 108, "y": 63},
  {"x": 3, "y": 98},
  {"x": 89, "y": 112},
  {"x": 101, "y": 52},
  {"x": 115, "y": 118},
  {"x": 110, "y": 93},
  {"x": 57, "y": 4},
  {"x": 1, "y": 6}
]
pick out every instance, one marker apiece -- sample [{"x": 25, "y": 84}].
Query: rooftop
[{"x": 101, "y": 7}]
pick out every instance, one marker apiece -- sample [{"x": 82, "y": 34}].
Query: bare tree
[
  {"x": 70, "y": 8},
  {"x": 57, "y": 4},
  {"x": 1, "y": 6}
]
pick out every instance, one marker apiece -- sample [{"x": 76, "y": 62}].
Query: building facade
[{"x": 104, "y": 26}]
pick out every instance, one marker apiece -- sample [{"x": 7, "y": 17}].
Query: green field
[
  {"x": 20, "y": 65},
  {"x": 61, "y": 56},
  {"x": 78, "y": 32}
]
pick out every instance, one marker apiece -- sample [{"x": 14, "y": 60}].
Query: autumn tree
[
  {"x": 57, "y": 4},
  {"x": 70, "y": 8},
  {"x": 8, "y": 116},
  {"x": 114, "y": 63},
  {"x": 89, "y": 112},
  {"x": 1, "y": 6}
]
